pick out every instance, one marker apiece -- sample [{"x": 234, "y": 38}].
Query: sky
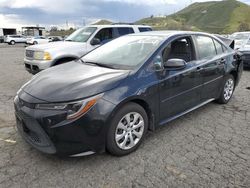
[{"x": 76, "y": 13}]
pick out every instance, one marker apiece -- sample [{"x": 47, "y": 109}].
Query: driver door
[
  {"x": 104, "y": 35},
  {"x": 180, "y": 89}
]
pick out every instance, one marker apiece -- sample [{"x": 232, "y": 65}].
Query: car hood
[
  {"x": 245, "y": 48},
  {"x": 73, "y": 81},
  {"x": 58, "y": 46}
]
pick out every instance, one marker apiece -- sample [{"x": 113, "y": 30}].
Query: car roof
[
  {"x": 245, "y": 32},
  {"x": 168, "y": 33},
  {"x": 118, "y": 25}
]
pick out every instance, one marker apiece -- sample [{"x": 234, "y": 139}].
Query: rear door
[
  {"x": 211, "y": 65},
  {"x": 17, "y": 38},
  {"x": 120, "y": 31}
]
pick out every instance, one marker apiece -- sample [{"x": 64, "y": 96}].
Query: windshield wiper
[
  {"x": 99, "y": 64},
  {"x": 68, "y": 40}
]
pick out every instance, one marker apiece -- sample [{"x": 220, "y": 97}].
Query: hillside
[
  {"x": 216, "y": 17},
  {"x": 102, "y": 22}
]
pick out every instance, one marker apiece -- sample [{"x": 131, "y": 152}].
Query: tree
[
  {"x": 53, "y": 28},
  {"x": 243, "y": 27}
]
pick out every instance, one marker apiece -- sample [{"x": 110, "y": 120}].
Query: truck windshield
[{"x": 81, "y": 35}]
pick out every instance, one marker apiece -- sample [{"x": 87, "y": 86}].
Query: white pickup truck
[{"x": 43, "y": 56}]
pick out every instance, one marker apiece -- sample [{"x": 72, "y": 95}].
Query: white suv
[
  {"x": 13, "y": 39},
  {"x": 43, "y": 56},
  {"x": 37, "y": 40}
]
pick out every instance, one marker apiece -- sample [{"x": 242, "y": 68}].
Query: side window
[
  {"x": 218, "y": 47},
  {"x": 125, "y": 30},
  {"x": 144, "y": 29},
  {"x": 105, "y": 35},
  {"x": 205, "y": 46},
  {"x": 179, "y": 49}
]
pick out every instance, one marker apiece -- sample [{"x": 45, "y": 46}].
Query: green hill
[{"x": 216, "y": 17}]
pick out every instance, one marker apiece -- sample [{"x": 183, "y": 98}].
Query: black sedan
[{"x": 108, "y": 99}]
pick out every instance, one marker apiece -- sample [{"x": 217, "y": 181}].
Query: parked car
[
  {"x": 13, "y": 39},
  {"x": 110, "y": 98},
  {"x": 80, "y": 42},
  {"x": 55, "y": 38},
  {"x": 37, "y": 40},
  {"x": 242, "y": 41}
]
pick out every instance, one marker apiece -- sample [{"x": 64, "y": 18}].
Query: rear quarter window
[{"x": 144, "y": 29}]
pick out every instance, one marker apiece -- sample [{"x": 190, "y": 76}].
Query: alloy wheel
[
  {"x": 228, "y": 89},
  {"x": 129, "y": 130}
]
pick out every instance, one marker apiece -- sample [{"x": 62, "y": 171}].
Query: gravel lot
[{"x": 209, "y": 147}]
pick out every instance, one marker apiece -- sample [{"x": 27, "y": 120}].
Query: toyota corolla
[{"x": 108, "y": 99}]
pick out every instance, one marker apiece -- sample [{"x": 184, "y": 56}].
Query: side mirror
[
  {"x": 95, "y": 41},
  {"x": 175, "y": 64},
  {"x": 158, "y": 63}
]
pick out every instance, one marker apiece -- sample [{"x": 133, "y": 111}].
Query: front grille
[
  {"x": 34, "y": 137},
  {"x": 29, "y": 54}
]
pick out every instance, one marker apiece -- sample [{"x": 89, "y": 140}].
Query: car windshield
[
  {"x": 81, "y": 35},
  {"x": 125, "y": 52}
]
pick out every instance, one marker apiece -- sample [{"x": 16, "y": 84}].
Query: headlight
[
  {"x": 74, "y": 109},
  {"x": 38, "y": 55}
]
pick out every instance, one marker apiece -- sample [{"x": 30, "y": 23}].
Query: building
[
  {"x": 33, "y": 31},
  {"x": 6, "y": 31}
]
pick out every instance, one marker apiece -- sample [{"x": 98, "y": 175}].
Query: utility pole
[
  {"x": 83, "y": 22},
  {"x": 67, "y": 25}
]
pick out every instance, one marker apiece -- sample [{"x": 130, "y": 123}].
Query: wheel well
[
  {"x": 146, "y": 107},
  {"x": 63, "y": 60},
  {"x": 234, "y": 74}
]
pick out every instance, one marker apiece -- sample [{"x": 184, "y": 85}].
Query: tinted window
[
  {"x": 144, "y": 29},
  {"x": 205, "y": 46},
  {"x": 105, "y": 35},
  {"x": 125, "y": 30},
  {"x": 218, "y": 47},
  {"x": 179, "y": 49}
]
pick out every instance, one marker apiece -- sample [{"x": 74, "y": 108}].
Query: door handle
[{"x": 198, "y": 69}]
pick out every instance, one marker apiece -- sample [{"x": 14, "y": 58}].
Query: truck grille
[{"x": 29, "y": 53}]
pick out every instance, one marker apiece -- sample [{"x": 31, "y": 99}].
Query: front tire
[
  {"x": 227, "y": 91},
  {"x": 128, "y": 128},
  {"x": 35, "y": 42},
  {"x": 12, "y": 42}
]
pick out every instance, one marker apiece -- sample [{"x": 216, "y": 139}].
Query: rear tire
[
  {"x": 127, "y": 130},
  {"x": 228, "y": 90}
]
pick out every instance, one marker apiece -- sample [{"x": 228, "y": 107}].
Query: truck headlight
[
  {"x": 74, "y": 109},
  {"x": 39, "y": 55}
]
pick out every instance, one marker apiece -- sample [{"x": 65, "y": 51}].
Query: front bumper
[
  {"x": 35, "y": 66},
  {"x": 44, "y": 130}
]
